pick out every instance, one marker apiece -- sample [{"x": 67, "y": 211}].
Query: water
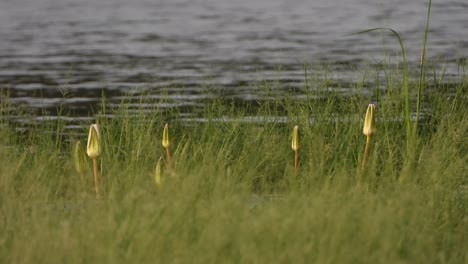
[{"x": 64, "y": 54}]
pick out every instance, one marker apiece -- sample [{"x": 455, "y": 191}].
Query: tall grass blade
[
  {"x": 405, "y": 83},
  {"x": 422, "y": 70},
  {"x": 158, "y": 173}
]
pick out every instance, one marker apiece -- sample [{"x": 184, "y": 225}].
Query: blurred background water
[{"x": 63, "y": 55}]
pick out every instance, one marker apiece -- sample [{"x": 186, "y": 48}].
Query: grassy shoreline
[{"x": 234, "y": 197}]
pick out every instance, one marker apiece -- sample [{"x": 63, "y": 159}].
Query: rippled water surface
[{"x": 70, "y": 52}]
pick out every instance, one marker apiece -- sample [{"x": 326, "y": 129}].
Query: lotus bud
[
  {"x": 295, "y": 139},
  {"x": 93, "y": 148},
  {"x": 369, "y": 123},
  {"x": 79, "y": 158},
  {"x": 295, "y": 147},
  {"x": 165, "y": 141},
  {"x": 369, "y": 130}
]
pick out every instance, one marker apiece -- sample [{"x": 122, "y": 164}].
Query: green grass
[
  {"x": 234, "y": 197},
  {"x": 411, "y": 132}
]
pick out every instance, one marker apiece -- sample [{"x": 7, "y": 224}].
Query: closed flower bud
[
  {"x": 165, "y": 141},
  {"x": 369, "y": 123},
  {"x": 295, "y": 139},
  {"x": 93, "y": 148}
]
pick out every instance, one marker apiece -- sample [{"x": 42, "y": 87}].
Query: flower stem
[
  {"x": 96, "y": 177},
  {"x": 296, "y": 161},
  {"x": 169, "y": 160},
  {"x": 366, "y": 156}
]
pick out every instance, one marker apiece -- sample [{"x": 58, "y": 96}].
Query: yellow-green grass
[{"x": 235, "y": 198}]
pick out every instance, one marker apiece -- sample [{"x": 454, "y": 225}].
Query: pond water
[{"x": 68, "y": 53}]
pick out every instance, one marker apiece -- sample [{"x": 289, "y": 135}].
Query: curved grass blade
[{"x": 405, "y": 83}]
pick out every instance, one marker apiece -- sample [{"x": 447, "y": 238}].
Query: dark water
[{"x": 69, "y": 52}]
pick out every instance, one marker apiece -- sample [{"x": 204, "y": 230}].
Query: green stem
[
  {"x": 366, "y": 157},
  {"x": 169, "y": 160},
  {"x": 296, "y": 161},
  {"x": 96, "y": 177}
]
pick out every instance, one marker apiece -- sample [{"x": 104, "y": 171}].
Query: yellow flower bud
[
  {"x": 295, "y": 139},
  {"x": 369, "y": 123},
  {"x": 165, "y": 141},
  {"x": 79, "y": 158},
  {"x": 93, "y": 148}
]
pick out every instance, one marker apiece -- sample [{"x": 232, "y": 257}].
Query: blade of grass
[
  {"x": 405, "y": 84},
  {"x": 422, "y": 69}
]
